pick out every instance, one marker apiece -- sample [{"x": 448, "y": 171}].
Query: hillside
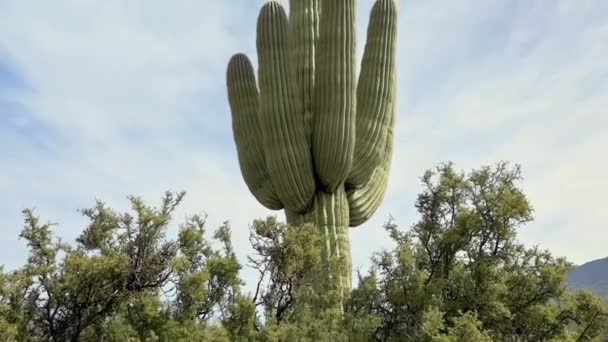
[{"x": 592, "y": 275}]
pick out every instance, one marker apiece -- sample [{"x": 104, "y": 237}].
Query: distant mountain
[{"x": 592, "y": 276}]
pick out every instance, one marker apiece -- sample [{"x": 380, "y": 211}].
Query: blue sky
[{"x": 102, "y": 99}]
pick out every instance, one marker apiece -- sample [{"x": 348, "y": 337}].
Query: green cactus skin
[
  {"x": 375, "y": 92},
  {"x": 325, "y": 142},
  {"x": 366, "y": 199},
  {"x": 303, "y": 37},
  {"x": 243, "y": 99},
  {"x": 333, "y": 136},
  {"x": 287, "y": 150},
  {"x": 331, "y": 216}
]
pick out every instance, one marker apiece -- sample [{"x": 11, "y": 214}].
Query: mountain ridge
[{"x": 592, "y": 275}]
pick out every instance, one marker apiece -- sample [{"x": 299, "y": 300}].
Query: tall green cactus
[{"x": 313, "y": 140}]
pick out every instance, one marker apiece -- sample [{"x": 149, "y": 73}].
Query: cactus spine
[{"x": 313, "y": 140}]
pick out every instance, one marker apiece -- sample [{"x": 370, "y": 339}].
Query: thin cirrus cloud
[{"x": 99, "y": 100}]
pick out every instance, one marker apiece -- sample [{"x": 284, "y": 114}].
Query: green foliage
[
  {"x": 8, "y": 330},
  {"x": 458, "y": 274},
  {"x": 461, "y": 275},
  {"x": 109, "y": 286}
]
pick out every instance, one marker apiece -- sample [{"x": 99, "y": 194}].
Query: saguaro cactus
[{"x": 313, "y": 140}]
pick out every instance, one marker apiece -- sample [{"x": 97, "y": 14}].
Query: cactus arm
[
  {"x": 333, "y": 137},
  {"x": 365, "y": 200},
  {"x": 243, "y": 99},
  {"x": 375, "y": 91},
  {"x": 303, "y": 37},
  {"x": 287, "y": 151}
]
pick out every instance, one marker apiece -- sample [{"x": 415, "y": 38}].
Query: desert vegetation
[{"x": 457, "y": 273}]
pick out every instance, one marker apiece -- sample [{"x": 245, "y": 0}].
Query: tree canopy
[{"x": 457, "y": 274}]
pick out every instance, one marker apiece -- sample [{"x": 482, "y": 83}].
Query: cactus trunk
[
  {"x": 314, "y": 140},
  {"x": 330, "y": 215}
]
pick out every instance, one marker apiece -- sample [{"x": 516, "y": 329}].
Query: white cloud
[
  {"x": 134, "y": 95},
  {"x": 540, "y": 105},
  {"x": 129, "y": 98}
]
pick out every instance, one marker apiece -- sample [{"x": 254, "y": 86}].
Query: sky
[{"x": 103, "y": 99}]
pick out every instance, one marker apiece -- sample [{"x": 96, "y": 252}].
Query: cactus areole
[{"x": 312, "y": 139}]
